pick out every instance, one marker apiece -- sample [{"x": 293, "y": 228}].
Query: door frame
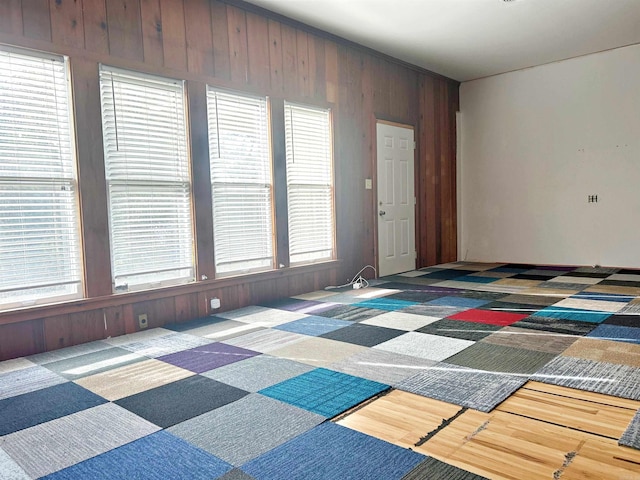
[{"x": 374, "y": 168}]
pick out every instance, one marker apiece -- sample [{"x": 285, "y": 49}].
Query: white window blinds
[
  {"x": 148, "y": 178},
  {"x": 39, "y": 221},
  {"x": 309, "y": 183},
  {"x": 241, "y": 182}
]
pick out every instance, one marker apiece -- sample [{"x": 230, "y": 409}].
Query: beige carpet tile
[
  {"x": 607, "y": 351},
  {"x": 271, "y": 317},
  {"x": 139, "y": 336},
  {"x": 317, "y": 295},
  {"x": 633, "y": 291},
  {"x": 319, "y": 352},
  {"x": 569, "y": 279},
  {"x": 595, "y": 305},
  {"x": 266, "y": 340},
  {"x": 555, "y": 292},
  {"x": 15, "y": 364},
  {"x": 132, "y": 379}
]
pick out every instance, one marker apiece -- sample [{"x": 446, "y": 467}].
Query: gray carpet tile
[
  {"x": 631, "y": 436},
  {"x": 27, "y": 380},
  {"x": 351, "y": 313},
  {"x": 236, "y": 474},
  {"x": 380, "y": 366},
  {"x": 597, "y": 270},
  {"x": 266, "y": 340},
  {"x": 423, "y": 345},
  {"x": 258, "y": 372},
  {"x": 166, "y": 344},
  {"x": 433, "y": 469},
  {"x": 600, "y": 377},
  {"x": 57, "y": 444},
  {"x": 92, "y": 363},
  {"x": 247, "y": 428},
  {"x": 631, "y": 308},
  {"x": 69, "y": 352},
  {"x": 562, "y": 285},
  {"x": 463, "y": 386},
  {"x": 364, "y": 335},
  {"x": 459, "y": 329},
  {"x": 181, "y": 400},
  {"x": 541, "y": 300},
  {"x": 557, "y": 325},
  {"x": 499, "y": 358},
  {"x": 10, "y": 470},
  {"x": 539, "y": 341}
]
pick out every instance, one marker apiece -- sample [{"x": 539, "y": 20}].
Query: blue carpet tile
[
  {"x": 324, "y": 392},
  {"x": 384, "y": 304},
  {"x": 29, "y": 409},
  {"x": 179, "y": 401},
  {"x": 452, "y": 301},
  {"x": 606, "y": 297},
  {"x": 616, "y": 333},
  {"x": 330, "y": 451},
  {"x": 160, "y": 456},
  {"x": 313, "y": 325},
  {"x": 574, "y": 314}
]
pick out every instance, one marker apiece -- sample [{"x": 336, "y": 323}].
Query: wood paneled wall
[{"x": 242, "y": 47}]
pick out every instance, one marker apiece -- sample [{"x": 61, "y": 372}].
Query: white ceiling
[{"x": 469, "y": 39}]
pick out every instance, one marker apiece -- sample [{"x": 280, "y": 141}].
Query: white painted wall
[{"x": 534, "y": 144}]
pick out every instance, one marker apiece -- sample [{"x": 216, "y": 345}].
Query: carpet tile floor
[{"x": 253, "y": 393}]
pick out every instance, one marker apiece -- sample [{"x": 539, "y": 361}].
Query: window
[
  {"x": 148, "y": 179},
  {"x": 40, "y": 257},
  {"x": 241, "y": 182},
  {"x": 309, "y": 183}
]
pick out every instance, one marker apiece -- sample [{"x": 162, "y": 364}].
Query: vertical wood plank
[
  {"x": 115, "y": 321},
  {"x": 87, "y": 327},
  {"x": 290, "y": 60},
  {"x": 258, "y": 52},
  {"x": 91, "y": 178},
  {"x": 57, "y": 332},
  {"x": 21, "y": 339},
  {"x": 36, "y": 19},
  {"x": 67, "y": 26},
  {"x": 125, "y": 29},
  {"x": 96, "y": 35},
  {"x": 11, "y": 17},
  {"x": 317, "y": 70},
  {"x": 201, "y": 178},
  {"x": 280, "y": 181},
  {"x": 151, "y": 18},
  {"x": 238, "y": 49},
  {"x": 331, "y": 69},
  {"x": 174, "y": 40},
  {"x": 430, "y": 195},
  {"x": 302, "y": 54},
  {"x": 186, "y": 307},
  {"x": 220, "y": 33},
  {"x": 197, "y": 15},
  {"x": 275, "y": 57},
  {"x": 130, "y": 325}
]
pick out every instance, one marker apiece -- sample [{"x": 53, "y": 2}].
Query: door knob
[{"x": 382, "y": 213}]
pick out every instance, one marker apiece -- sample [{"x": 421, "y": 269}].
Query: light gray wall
[{"x": 534, "y": 144}]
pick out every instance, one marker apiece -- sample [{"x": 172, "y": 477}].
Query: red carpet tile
[{"x": 486, "y": 316}]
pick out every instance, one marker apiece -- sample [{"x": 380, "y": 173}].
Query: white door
[{"x": 396, "y": 200}]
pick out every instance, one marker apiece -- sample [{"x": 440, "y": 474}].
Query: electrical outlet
[
  {"x": 215, "y": 303},
  {"x": 142, "y": 321}
]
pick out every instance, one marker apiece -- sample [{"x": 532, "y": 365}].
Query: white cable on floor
[{"x": 357, "y": 281}]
